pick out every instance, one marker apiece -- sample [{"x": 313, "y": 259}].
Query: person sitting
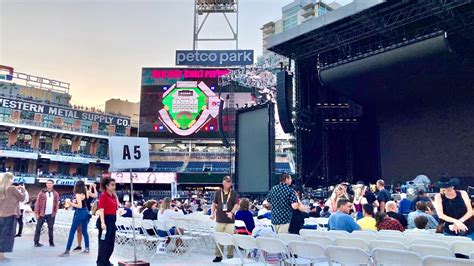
[
  {"x": 266, "y": 208},
  {"x": 368, "y": 221},
  {"x": 325, "y": 212},
  {"x": 168, "y": 212},
  {"x": 127, "y": 211},
  {"x": 243, "y": 214},
  {"x": 421, "y": 209},
  {"x": 341, "y": 220},
  {"x": 420, "y": 223},
  {"x": 421, "y": 197},
  {"x": 150, "y": 210},
  {"x": 384, "y": 222},
  {"x": 315, "y": 211},
  {"x": 391, "y": 209}
]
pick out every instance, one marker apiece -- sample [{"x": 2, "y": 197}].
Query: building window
[
  {"x": 27, "y": 115},
  {"x": 289, "y": 23},
  {"x": 291, "y": 12},
  {"x": 65, "y": 145},
  {"x": 322, "y": 10},
  {"x": 84, "y": 147},
  {"x": 45, "y": 143}
]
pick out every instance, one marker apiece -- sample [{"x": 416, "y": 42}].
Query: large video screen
[{"x": 185, "y": 103}]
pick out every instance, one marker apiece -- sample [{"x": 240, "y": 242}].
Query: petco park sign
[{"x": 214, "y": 57}]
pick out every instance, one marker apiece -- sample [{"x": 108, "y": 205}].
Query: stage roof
[{"x": 366, "y": 25}]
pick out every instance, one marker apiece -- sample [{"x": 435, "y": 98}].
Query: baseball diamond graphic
[{"x": 187, "y": 106}]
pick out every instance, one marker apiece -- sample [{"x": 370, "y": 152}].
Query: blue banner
[{"x": 214, "y": 58}]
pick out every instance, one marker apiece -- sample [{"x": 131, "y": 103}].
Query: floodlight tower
[{"x": 227, "y": 8}]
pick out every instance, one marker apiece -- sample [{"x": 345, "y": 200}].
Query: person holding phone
[
  {"x": 91, "y": 195},
  {"x": 107, "y": 210},
  {"x": 10, "y": 197}
]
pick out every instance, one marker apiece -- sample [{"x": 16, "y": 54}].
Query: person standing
[
  {"x": 46, "y": 207},
  {"x": 454, "y": 208},
  {"x": 91, "y": 195},
  {"x": 383, "y": 196},
  {"x": 359, "y": 200},
  {"x": 22, "y": 210},
  {"x": 224, "y": 207},
  {"x": 107, "y": 210},
  {"x": 284, "y": 200},
  {"x": 81, "y": 216},
  {"x": 10, "y": 197}
]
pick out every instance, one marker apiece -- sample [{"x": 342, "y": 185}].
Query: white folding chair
[
  {"x": 387, "y": 244},
  {"x": 321, "y": 240},
  {"x": 365, "y": 236},
  {"x": 346, "y": 255},
  {"x": 429, "y": 250},
  {"x": 310, "y": 232},
  {"x": 248, "y": 244},
  {"x": 289, "y": 237},
  {"x": 322, "y": 223},
  {"x": 274, "y": 246},
  {"x": 390, "y": 232},
  {"x": 400, "y": 239},
  {"x": 443, "y": 261},
  {"x": 352, "y": 243},
  {"x": 307, "y": 253},
  {"x": 187, "y": 242},
  {"x": 420, "y": 241},
  {"x": 393, "y": 257},
  {"x": 151, "y": 241},
  {"x": 336, "y": 233},
  {"x": 240, "y": 224},
  {"x": 462, "y": 247},
  {"x": 225, "y": 240},
  {"x": 452, "y": 239}
]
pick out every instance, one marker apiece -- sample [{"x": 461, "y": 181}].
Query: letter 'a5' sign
[
  {"x": 128, "y": 153},
  {"x": 215, "y": 58}
]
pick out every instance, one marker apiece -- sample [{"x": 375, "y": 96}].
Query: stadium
[{"x": 348, "y": 141}]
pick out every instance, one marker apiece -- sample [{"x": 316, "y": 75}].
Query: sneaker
[
  {"x": 38, "y": 245},
  {"x": 65, "y": 254},
  {"x": 78, "y": 248},
  {"x": 86, "y": 251},
  {"x": 52, "y": 245},
  {"x": 18, "y": 235},
  {"x": 229, "y": 257},
  {"x": 217, "y": 259}
]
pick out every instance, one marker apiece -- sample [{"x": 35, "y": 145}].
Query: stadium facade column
[
  {"x": 35, "y": 140},
  {"x": 56, "y": 141},
  {"x": 72, "y": 169},
  {"x": 13, "y": 137},
  {"x": 76, "y": 142},
  {"x": 93, "y": 146},
  {"x": 111, "y": 129},
  {"x": 38, "y": 118},
  {"x": 91, "y": 171},
  {"x": 15, "y": 116},
  {"x": 32, "y": 166},
  {"x": 10, "y": 163},
  {"x": 53, "y": 167},
  {"x": 128, "y": 131},
  {"x": 95, "y": 127}
]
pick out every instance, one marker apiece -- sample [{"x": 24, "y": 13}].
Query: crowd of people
[{"x": 348, "y": 208}]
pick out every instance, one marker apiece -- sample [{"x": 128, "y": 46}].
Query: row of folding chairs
[
  {"x": 390, "y": 235},
  {"x": 305, "y": 252},
  {"x": 462, "y": 245},
  {"x": 148, "y": 241}
]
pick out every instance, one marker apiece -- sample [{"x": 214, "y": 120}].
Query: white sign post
[{"x": 129, "y": 153}]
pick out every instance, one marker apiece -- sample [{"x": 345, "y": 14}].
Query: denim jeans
[{"x": 81, "y": 217}]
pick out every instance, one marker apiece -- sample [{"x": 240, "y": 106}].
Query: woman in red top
[{"x": 107, "y": 210}]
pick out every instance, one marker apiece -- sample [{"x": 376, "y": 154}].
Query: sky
[{"x": 100, "y": 46}]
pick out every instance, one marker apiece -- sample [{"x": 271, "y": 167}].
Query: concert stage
[{"x": 403, "y": 74}]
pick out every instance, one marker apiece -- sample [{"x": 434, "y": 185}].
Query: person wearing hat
[
  {"x": 224, "y": 207},
  {"x": 454, "y": 208}
]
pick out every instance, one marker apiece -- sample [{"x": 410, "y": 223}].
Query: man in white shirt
[
  {"x": 22, "y": 209},
  {"x": 46, "y": 208}
]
